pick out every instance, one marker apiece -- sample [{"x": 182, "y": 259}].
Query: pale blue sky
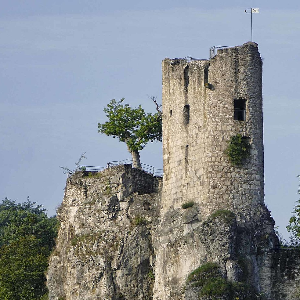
[{"x": 61, "y": 62}]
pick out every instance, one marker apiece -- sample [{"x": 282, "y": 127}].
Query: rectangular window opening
[
  {"x": 240, "y": 109},
  {"x": 206, "y": 77},
  {"x": 186, "y": 114}
]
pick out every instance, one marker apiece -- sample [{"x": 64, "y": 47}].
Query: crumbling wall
[{"x": 285, "y": 273}]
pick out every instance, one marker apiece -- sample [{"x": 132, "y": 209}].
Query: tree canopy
[
  {"x": 294, "y": 223},
  {"x": 26, "y": 240},
  {"x": 132, "y": 126}
]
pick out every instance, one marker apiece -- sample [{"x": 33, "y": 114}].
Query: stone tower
[{"x": 205, "y": 104}]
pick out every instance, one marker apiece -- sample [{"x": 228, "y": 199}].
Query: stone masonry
[{"x": 198, "y": 121}]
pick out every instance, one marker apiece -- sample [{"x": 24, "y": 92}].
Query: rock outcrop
[
  {"x": 114, "y": 244},
  {"x": 104, "y": 247}
]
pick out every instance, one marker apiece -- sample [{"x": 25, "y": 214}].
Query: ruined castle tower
[
  {"x": 205, "y": 104},
  {"x": 125, "y": 236}
]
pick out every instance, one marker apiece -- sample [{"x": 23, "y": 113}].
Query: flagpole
[
  {"x": 251, "y": 24},
  {"x": 252, "y": 11}
]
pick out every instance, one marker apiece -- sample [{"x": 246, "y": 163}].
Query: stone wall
[{"x": 285, "y": 274}]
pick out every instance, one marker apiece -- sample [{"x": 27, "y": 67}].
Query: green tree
[
  {"x": 294, "y": 223},
  {"x": 26, "y": 240},
  {"x": 132, "y": 126}
]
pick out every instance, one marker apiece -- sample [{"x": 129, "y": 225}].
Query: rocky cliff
[
  {"x": 104, "y": 247},
  {"x": 114, "y": 244}
]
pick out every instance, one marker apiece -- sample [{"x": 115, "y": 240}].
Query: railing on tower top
[{"x": 147, "y": 168}]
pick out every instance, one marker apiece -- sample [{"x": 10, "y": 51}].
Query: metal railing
[{"x": 147, "y": 168}]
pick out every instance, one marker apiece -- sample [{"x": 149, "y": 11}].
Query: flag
[{"x": 255, "y": 10}]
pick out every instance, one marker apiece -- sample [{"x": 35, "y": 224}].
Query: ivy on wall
[{"x": 238, "y": 149}]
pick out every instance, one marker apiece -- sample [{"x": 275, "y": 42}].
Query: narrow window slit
[
  {"x": 186, "y": 78},
  {"x": 186, "y": 114},
  {"x": 206, "y": 77}
]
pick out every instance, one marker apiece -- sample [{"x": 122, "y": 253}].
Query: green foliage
[
  {"x": 238, "y": 149},
  {"x": 132, "y": 126},
  {"x": 203, "y": 273},
  {"x": 187, "y": 204},
  {"x": 294, "y": 223},
  {"x": 212, "y": 284},
  {"x": 227, "y": 215},
  {"x": 139, "y": 221},
  {"x": 151, "y": 275},
  {"x": 26, "y": 240}
]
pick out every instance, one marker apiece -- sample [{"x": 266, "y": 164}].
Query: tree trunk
[{"x": 136, "y": 163}]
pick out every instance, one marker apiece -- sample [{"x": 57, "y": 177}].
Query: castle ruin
[{"x": 126, "y": 235}]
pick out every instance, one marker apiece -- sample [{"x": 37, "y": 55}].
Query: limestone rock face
[
  {"x": 113, "y": 243},
  {"x": 104, "y": 246}
]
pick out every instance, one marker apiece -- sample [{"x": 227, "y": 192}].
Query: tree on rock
[{"x": 132, "y": 126}]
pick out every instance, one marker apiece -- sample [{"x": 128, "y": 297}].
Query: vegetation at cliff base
[
  {"x": 211, "y": 283},
  {"x": 132, "y": 126},
  {"x": 27, "y": 237}
]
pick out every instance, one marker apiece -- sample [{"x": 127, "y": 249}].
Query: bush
[
  {"x": 214, "y": 285},
  {"x": 238, "y": 149},
  {"x": 227, "y": 215},
  {"x": 187, "y": 204}
]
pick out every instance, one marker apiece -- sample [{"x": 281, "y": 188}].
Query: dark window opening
[
  {"x": 240, "y": 109},
  {"x": 186, "y": 78},
  {"x": 186, "y": 114},
  {"x": 186, "y": 153},
  {"x": 206, "y": 77},
  {"x": 186, "y": 158},
  {"x": 171, "y": 112}
]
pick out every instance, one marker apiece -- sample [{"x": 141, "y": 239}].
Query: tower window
[
  {"x": 186, "y": 114},
  {"x": 240, "y": 109},
  {"x": 186, "y": 78},
  {"x": 206, "y": 77}
]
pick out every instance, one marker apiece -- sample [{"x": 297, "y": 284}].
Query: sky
[{"x": 62, "y": 61}]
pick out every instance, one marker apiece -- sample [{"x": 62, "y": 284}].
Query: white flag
[{"x": 255, "y": 10}]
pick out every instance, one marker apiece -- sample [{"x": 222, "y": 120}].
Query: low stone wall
[{"x": 286, "y": 273}]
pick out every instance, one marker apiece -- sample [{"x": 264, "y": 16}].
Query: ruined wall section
[
  {"x": 198, "y": 122},
  {"x": 285, "y": 274}
]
